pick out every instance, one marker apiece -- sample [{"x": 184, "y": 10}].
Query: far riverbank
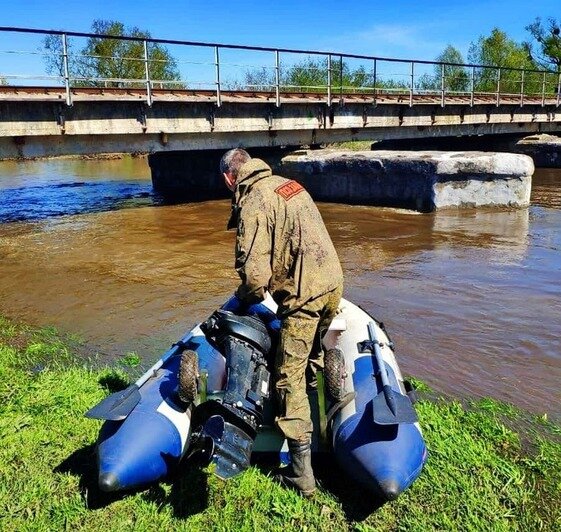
[{"x": 84, "y": 157}]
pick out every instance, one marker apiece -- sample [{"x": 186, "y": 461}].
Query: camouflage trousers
[{"x": 299, "y": 357}]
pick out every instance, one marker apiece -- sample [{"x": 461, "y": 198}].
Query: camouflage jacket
[{"x": 282, "y": 245}]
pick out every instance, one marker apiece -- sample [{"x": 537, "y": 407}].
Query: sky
[{"x": 400, "y": 29}]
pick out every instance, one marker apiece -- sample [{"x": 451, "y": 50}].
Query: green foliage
[
  {"x": 311, "y": 75},
  {"x": 130, "y": 360},
  {"x": 549, "y": 43},
  {"x": 456, "y": 78},
  {"x": 498, "y": 50},
  {"x": 418, "y": 385},
  {"x": 103, "y": 62},
  {"x": 482, "y": 473},
  {"x": 354, "y": 145}
]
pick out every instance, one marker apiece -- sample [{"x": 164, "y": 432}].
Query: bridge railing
[{"x": 35, "y": 57}]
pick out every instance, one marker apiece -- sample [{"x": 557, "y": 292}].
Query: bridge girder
[{"x": 34, "y": 128}]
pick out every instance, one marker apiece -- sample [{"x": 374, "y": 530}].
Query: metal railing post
[
  {"x": 412, "y": 87},
  {"x": 147, "y": 73},
  {"x": 472, "y": 86},
  {"x": 558, "y": 88},
  {"x": 329, "y": 80},
  {"x": 341, "y": 80},
  {"x": 66, "y": 75},
  {"x": 498, "y": 87},
  {"x": 217, "y": 66},
  {"x": 277, "y": 78},
  {"x": 374, "y": 75},
  {"x": 442, "y": 86},
  {"x": 543, "y": 90},
  {"x": 522, "y": 88}
]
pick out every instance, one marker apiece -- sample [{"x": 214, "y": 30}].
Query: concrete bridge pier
[
  {"x": 187, "y": 175},
  {"x": 544, "y": 149},
  {"x": 194, "y": 175},
  {"x": 424, "y": 181}
]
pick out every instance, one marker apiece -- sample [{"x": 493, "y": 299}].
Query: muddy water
[{"x": 472, "y": 300}]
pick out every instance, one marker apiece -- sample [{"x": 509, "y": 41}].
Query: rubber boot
[{"x": 299, "y": 474}]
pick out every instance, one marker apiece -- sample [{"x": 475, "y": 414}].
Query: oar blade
[
  {"x": 116, "y": 406},
  {"x": 391, "y": 408}
]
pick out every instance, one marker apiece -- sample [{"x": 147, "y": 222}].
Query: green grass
[
  {"x": 354, "y": 145},
  {"x": 491, "y": 467}
]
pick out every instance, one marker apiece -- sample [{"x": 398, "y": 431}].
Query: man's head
[{"x": 230, "y": 165}]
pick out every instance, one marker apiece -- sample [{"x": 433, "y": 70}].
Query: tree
[
  {"x": 112, "y": 62},
  {"x": 498, "y": 50},
  {"x": 311, "y": 74},
  {"x": 549, "y": 42},
  {"x": 456, "y": 78}
]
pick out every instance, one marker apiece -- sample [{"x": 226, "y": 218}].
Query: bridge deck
[
  {"x": 36, "y": 121},
  {"x": 54, "y": 94}
]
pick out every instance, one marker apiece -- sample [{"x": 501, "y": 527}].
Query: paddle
[
  {"x": 119, "y": 405},
  {"x": 389, "y": 406}
]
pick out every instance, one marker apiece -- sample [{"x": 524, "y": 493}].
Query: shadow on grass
[
  {"x": 189, "y": 491},
  {"x": 114, "y": 382},
  {"x": 82, "y": 463},
  {"x": 189, "y": 486},
  {"x": 356, "y": 501}
]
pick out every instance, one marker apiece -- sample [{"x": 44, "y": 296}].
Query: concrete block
[
  {"x": 544, "y": 149},
  {"x": 425, "y": 180}
]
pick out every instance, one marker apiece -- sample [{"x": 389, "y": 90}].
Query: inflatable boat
[{"x": 209, "y": 396}]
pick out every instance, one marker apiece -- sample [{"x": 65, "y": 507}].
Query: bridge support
[
  {"x": 187, "y": 175},
  {"x": 194, "y": 175},
  {"x": 544, "y": 149},
  {"x": 424, "y": 181}
]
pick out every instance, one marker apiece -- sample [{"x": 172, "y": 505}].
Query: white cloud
[{"x": 408, "y": 41}]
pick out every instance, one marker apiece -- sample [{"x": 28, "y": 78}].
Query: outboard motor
[{"x": 227, "y": 428}]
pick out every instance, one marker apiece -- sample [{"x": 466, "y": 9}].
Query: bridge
[{"x": 220, "y": 104}]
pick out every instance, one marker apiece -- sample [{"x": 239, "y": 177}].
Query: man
[{"x": 283, "y": 247}]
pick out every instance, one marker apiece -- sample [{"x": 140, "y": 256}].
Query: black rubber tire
[
  {"x": 188, "y": 374},
  {"x": 334, "y": 374}
]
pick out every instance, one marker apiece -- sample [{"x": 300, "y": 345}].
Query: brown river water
[{"x": 471, "y": 299}]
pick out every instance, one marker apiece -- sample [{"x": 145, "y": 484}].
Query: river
[{"x": 472, "y": 299}]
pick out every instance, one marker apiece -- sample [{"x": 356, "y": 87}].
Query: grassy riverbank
[
  {"x": 82, "y": 157},
  {"x": 490, "y": 467}
]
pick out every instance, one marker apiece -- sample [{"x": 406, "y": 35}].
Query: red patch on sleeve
[{"x": 289, "y": 190}]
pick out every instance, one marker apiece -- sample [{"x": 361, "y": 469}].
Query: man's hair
[{"x": 233, "y": 160}]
